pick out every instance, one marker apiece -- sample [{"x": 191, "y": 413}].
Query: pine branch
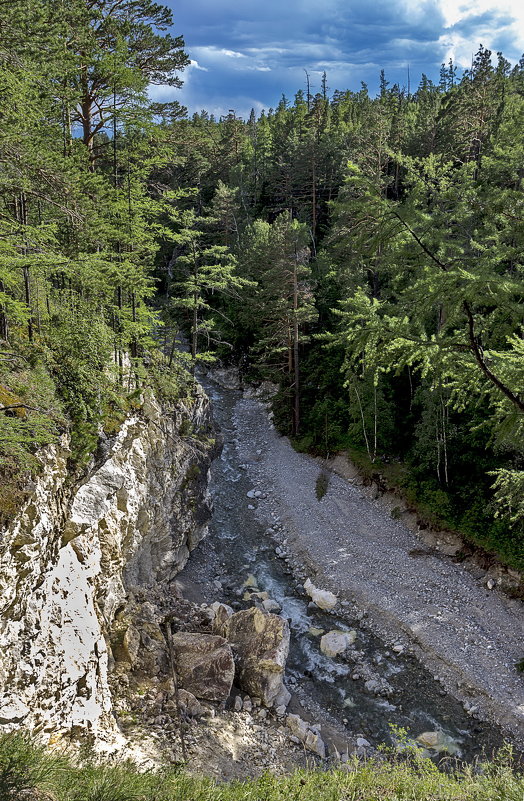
[{"x": 477, "y": 352}]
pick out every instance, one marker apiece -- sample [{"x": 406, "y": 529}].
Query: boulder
[
  {"x": 221, "y": 614},
  {"x": 204, "y": 664},
  {"x": 315, "y": 744},
  {"x": 260, "y": 642},
  {"x": 336, "y": 642},
  {"x": 283, "y": 698},
  {"x": 363, "y": 743},
  {"x": 189, "y": 704},
  {"x": 297, "y": 726},
  {"x": 238, "y": 704},
  {"x": 227, "y": 377},
  {"x": 438, "y": 741},
  {"x": 322, "y": 598},
  {"x": 271, "y": 606}
]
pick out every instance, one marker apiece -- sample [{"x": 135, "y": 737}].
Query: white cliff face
[{"x": 68, "y": 559}]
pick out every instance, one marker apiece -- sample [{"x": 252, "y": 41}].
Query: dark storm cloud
[{"x": 247, "y": 53}]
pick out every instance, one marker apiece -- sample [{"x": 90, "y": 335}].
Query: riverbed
[{"x": 272, "y": 542}]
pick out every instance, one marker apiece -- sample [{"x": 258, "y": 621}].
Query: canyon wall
[{"x": 76, "y": 553}]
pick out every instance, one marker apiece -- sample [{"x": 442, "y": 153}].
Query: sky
[{"x": 247, "y": 53}]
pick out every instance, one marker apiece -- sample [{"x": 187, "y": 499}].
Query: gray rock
[
  {"x": 260, "y": 642},
  {"x": 335, "y": 643},
  {"x": 315, "y": 744},
  {"x": 297, "y": 726},
  {"x": 238, "y": 704},
  {"x": 222, "y": 613},
  {"x": 363, "y": 743},
  {"x": 271, "y": 606},
  {"x": 189, "y": 704},
  {"x": 205, "y": 665},
  {"x": 283, "y": 698}
]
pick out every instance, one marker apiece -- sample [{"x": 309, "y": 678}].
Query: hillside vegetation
[
  {"x": 363, "y": 252},
  {"x": 28, "y": 771}
]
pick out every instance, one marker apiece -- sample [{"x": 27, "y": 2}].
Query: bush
[{"x": 321, "y": 485}]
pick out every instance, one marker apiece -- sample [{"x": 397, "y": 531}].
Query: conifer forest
[
  {"x": 363, "y": 252},
  {"x": 261, "y": 402}
]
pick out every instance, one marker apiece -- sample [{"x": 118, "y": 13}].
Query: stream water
[{"x": 324, "y": 689}]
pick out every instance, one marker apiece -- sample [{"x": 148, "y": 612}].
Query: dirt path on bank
[{"x": 468, "y": 636}]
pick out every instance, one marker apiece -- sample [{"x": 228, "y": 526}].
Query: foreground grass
[{"x": 30, "y": 772}]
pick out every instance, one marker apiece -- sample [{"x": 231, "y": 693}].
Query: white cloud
[
  {"x": 471, "y": 22},
  {"x": 196, "y": 66},
  {"x": 457, "y": 12},
  {"x": 230, "y": 53}
]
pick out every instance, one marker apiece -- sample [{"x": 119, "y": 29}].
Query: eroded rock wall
[{"x": 74, "y": 553}]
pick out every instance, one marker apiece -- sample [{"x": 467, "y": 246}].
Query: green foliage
[
  {"x": 25, "y": 766},
  {"x": 321, "y": 485},
  {"x": 409, "y": 303},
  {"x": 202, "y": 270},
  {"x": 82, "y": 219},
  {"x": 366, "y": 254},
  {"x": 401, "y": 774}
]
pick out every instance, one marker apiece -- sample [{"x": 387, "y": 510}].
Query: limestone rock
[
  {"x": 322, "y": 598},
  {"x": 336, "y": 642},
  {"x": 265, "y": 391},
  {"x": 69, "y": 559},
  {"x": 205, "y": 665},
  {"x": 363, "y": 743},
  {"x": 227, "y": 377},
  {"x": 189, "y": 704},
  {"x": 222, "y": 613},
  {"x": 283, "y": 698},
  {"x": 297, "y": 726},
  {"x": 271, "y": 606},
  {"x": 438, "y": 741},
  {"x": 260, "y": 642},
  {"x": 315, "y": 744},
  {"x": 131, "y": 643}
]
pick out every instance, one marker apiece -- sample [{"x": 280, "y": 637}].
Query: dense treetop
[{"x": 363, "y": 252}]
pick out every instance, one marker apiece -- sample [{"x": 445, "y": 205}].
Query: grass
[{"x": 28, "y": 771}]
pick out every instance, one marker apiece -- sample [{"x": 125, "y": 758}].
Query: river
[{"x": 243, "y": 546}]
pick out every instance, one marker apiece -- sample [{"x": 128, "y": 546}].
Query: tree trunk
[
  {"x": 86, "y": 106},
  {"x": 314, "y": 198},
  {"x": 296, "y": 414},
  {"x": 21, "y": 207},
  {"x": 4, "y": 328}
]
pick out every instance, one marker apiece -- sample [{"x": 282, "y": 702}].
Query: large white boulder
[
  {"x": 336, "y": 642},
  {"x": 322, "y": 598}
]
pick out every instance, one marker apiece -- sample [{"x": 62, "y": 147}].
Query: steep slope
[{"x": 70, "y": 558}]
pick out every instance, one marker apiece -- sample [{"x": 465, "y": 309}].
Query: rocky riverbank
[
  {"x": 300, "y": 631},
  {"x": 469, "y": 635},
  {"x": 348, "y": 684}
]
